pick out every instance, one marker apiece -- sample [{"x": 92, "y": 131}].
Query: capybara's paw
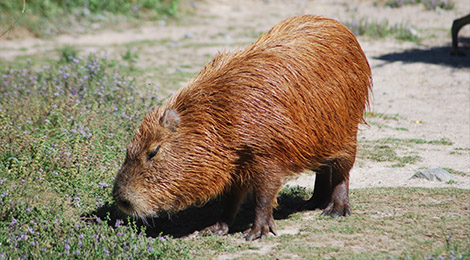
[
  {"x": 337, "y": 210},
  {"x": 255, "y": 233},
  {"x": 258, "y": 232},
  {"x": 315, "y": 203},
  {"x": 219, "y": 229}
]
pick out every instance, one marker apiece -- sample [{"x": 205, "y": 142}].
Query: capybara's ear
[{"x": 170, "y": 119}]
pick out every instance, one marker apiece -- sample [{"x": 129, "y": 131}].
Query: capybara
[
  {"x": 290, "y": 102},
  {"x": 457, "y": 24}
]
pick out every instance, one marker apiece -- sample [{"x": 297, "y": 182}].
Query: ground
[
  {"x": 420, "y": 91},
  {"x": 420, "y": 109}
]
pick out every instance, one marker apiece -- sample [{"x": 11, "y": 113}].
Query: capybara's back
[{"x": 290, "y": 102}]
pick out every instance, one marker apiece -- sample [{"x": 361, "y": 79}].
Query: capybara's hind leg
[
  {"x": 339, "y": 202},
  {"x": 322, "y": 191},
  {"x": 232, "y": 202}
]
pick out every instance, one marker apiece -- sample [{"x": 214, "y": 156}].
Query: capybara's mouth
[
  {"x": 136, "y": 209},
  {"x": 124, "y": 205}
]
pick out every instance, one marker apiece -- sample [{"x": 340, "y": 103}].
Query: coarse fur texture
[{"x": 290, "y": 102}]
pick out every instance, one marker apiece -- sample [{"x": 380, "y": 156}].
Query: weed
[
  {"x": 442, "y": 141},
  {"x": 364, "y": 26},
  {"x": 130, "y": 55},
  {"x": 51, "y": 17},
  {"x": 394, "y": 117},
  {"x": 428, "y": 4},
  {"x": 455, "y": 172},
  {"x": 68, "y": 54},
  {"x": 460, "y": 150}
]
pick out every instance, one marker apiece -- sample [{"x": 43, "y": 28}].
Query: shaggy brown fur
[{"x": 290, "y": 102}]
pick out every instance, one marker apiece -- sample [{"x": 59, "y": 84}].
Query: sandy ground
[{"x": 419, "y": 84}]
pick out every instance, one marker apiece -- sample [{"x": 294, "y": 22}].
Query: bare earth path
[{"x": 421, "y": 102}]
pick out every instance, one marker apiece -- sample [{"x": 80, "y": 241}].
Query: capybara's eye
[{"x": 153, "y": 153}]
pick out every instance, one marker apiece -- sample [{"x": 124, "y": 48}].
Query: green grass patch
[
  {"x": 42, "y": 18},
  {"x": 442, "y": 141},
  {"x": 428, "y": 4},
  {"x": 455, "y": 172},
  {"x": 385, "y": 150},
  {"x": 381, "y": 29}
]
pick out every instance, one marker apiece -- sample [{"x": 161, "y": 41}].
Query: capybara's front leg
[
  {"x": 265, "y": 198},
  {"x": 232, "y": 201}
]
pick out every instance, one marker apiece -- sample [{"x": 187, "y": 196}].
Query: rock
[{"x": 434, "y": 174}]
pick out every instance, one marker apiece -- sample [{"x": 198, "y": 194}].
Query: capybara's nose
[{"x": 123, "y": 204}]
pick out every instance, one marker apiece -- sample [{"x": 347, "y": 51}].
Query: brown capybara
[{"x": 290, "y": 102}]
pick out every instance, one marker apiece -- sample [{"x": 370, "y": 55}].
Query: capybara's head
[{"x": 146, "y": 184}]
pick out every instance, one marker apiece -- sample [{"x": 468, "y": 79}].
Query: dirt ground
[{"x": 420, "y": 91}]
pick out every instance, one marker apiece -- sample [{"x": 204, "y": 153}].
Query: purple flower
[
  {"x": 13, "y": 222},
  {"x": 30, "y": 230},
  {"x": 23, "y": 237},
  {"x": 103, "y": 184},
  {"x": 118, "y": 223}
]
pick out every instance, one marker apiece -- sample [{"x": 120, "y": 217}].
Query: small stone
[{"x": 434, "y": 174}]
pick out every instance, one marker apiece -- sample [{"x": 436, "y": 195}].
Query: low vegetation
[
  {"x": 428, "y": 4},
  {"x": 42, "y": 18},
  {"x": 379, "y": 29},
  {"x": 64, "y": 127}
]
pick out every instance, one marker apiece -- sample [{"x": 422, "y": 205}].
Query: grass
[
  {"x": 381, "y": 29},
  {"x": 43, "y": 18},
  {"x": 64, "y": 126},
  {"x": 385, "y": 150},
  {"x": 428, "y": 4},
  {"x": 63, "y": 130},
  {"x": 386, "y": 223}
]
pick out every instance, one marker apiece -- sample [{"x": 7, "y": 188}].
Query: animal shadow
[
  {"x": 436, "y": 55},
  {"x": 186, "y": 222}
]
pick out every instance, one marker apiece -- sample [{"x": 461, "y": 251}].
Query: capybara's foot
[
  {"x": 315, "y": 202},
  {"x": 337, "y": 210},
  {"x": 220, "y": 229},
  {"x": 259, "y": 231},
  {"x": 339, "y": 204}
]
